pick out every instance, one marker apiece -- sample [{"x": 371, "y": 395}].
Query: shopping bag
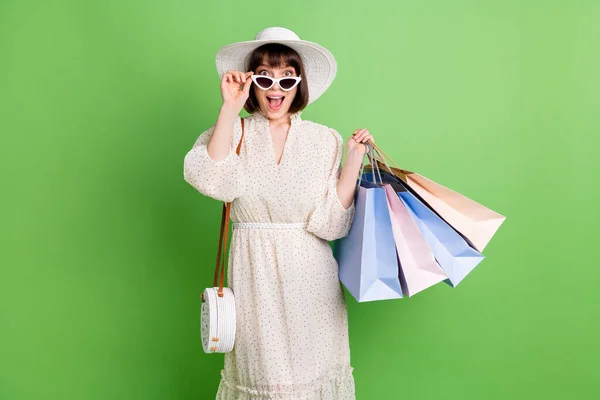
[
  {"x": 368, "y": 264},
  {"x": 477, "y": 223},
  {"x": 451, "y": 251},
  {"x": 418, "y": 268}
]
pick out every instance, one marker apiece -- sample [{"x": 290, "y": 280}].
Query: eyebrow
[{"x": 268, "y": 67}]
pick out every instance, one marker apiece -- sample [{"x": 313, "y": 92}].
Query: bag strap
[
  {"x": 223, "y": 236},
  {"x": 400, "y": 172}
]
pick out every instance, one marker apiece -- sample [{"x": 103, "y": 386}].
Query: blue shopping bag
[
  {"x": 454, "y": 254},
  {"x": 367, "y": 259}
]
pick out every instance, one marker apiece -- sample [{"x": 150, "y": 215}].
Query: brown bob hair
[{"x": 277, "y": 55}]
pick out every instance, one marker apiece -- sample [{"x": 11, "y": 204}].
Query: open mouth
[{"x": 275, "y": 102}]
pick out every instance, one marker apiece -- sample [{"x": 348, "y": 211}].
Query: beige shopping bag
[{"x": 475, "y": 222}]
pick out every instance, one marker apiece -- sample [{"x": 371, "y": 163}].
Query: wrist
[
  {"x": 230, "y": 109},
  {"x": 355, "y": 156}
]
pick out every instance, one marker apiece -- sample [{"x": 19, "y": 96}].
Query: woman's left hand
[{"x": 356, "y": 143}]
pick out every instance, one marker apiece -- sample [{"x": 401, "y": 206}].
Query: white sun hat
[{"x": 319, "y": 64}]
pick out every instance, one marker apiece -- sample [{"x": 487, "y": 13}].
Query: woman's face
[{"x": 274, "y": 102}]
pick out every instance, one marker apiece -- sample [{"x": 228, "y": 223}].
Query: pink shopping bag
[{"x": 418, "y": 267}]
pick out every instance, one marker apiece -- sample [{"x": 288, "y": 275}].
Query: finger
[
  {"x": 367, "y": 137},
  {"x": 241, "y": 77},
  {"x": 247, "y": 85},
  {"x": 356, "y": 135},
  {"x": 359, "y": 138}
]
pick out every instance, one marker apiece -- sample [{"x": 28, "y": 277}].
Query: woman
[{"x": 289, "y": 198}]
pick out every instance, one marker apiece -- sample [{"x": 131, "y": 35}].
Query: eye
[
  {"x": 263, "y": 72},
  {"x": 287, "y": 73}
]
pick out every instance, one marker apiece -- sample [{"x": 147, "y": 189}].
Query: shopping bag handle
[
  {"x": 403, "y": 172},
  {"x": 370, "y": 154}
]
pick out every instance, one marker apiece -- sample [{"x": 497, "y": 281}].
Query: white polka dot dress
[{"x": 292, "y": 323}]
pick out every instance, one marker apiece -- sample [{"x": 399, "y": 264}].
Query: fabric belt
[{"x": 269, "y": 225}]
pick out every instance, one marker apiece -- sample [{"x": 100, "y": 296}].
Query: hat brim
[{"x": 319, "y": 64}]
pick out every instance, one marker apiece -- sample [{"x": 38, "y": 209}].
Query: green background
[{"x": 105, "y": 248}]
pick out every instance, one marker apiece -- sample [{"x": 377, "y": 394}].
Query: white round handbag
[
  {"x": 217, "y": 314},
  {"x": 218, "y": 321}
]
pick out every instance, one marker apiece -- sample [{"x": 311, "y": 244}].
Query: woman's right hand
[{"x": 231, "y": 83}]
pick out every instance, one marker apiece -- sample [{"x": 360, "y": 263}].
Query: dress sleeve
[
  {"x": 222, "y": 180},
  {"x": 330, "y": 220}
]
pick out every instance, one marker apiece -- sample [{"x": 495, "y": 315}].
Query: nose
[{"x": 276, "y": 88}]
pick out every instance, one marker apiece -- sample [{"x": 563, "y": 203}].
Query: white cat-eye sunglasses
[{"x": 286, "y": 83}]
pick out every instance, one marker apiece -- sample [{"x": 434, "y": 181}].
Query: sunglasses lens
[
  {"x": 287, "y": 83},
  {"x": 264, "y": 82}
]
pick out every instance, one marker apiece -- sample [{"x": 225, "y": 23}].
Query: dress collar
[{"x": 294, "y": 118}]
